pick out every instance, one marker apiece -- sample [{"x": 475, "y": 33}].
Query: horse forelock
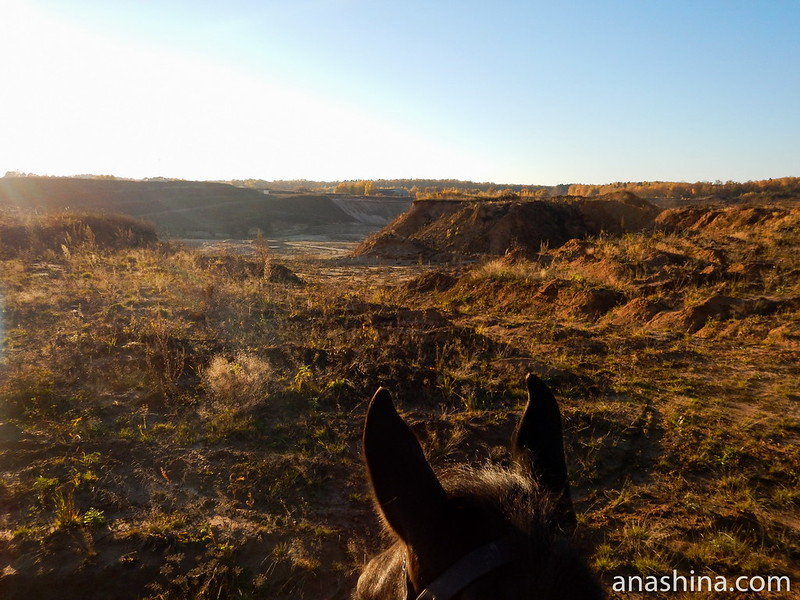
[{"x": 509, "y": 492}]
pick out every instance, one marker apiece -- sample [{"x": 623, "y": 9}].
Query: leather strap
[{"x": 477, "y": 563}]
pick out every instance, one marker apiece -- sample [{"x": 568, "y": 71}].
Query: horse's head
[{"x": 480, "y": 533}]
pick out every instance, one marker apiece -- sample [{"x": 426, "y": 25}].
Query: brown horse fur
[{"x": 436, "y": 524}]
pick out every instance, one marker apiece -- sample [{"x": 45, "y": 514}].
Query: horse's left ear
[
  {"x": 538, "y": 446},
  {"x": 408, "y": 494}
]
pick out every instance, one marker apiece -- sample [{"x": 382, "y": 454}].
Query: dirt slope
[
  {"x": 443, "y": 228},
  {"x": 702, "y": 271}
]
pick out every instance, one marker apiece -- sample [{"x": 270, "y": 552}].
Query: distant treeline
[
  {"x": 412, "y": 186},
  {"x": 447, "y": 188},
  {"x": 433, "y": 188},
  {"x": 788, "y": 186}
]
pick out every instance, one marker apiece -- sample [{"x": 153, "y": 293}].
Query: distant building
[{"x": 394, "y": 192}]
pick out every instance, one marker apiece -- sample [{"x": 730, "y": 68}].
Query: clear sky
[{"x": 532, "y": 92}]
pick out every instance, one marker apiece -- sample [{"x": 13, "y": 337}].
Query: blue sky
[{"x": 512, "y": 92}]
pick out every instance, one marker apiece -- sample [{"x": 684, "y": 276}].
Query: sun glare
[{"x": 82, "y": 102}]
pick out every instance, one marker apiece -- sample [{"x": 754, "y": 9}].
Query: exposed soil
[
  {"x": 447, "y": 228},
  {"x": 185, "y": 422}
]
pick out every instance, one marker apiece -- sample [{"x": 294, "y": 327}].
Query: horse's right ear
[
  {"x": 538, "y": 446},
  {"x": 408, "y": 494}
]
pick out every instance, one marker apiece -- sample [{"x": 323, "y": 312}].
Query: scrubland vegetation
[
  {"x": 452, "y": 188},
  {"x": 177, "y": 424}
]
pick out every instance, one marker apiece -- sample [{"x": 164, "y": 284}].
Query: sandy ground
[{"x": 321, "y": 248}]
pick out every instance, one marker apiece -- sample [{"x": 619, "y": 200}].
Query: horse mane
[{"x": 507, "y": 491}]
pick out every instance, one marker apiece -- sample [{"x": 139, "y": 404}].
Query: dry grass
[
  {"x": 170, "y": 429},
  {"x": 43, "y": 237}
]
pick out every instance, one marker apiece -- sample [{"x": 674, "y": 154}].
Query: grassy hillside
[
  {"x": 40, "y": 236},
  {"x": 177, "y": 424},
  {"x": 192, "y": 209}
]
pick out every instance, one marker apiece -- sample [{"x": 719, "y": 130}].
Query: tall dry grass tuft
[{"x": 240, "y": 383}]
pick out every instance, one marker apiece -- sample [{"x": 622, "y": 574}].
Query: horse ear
[
  {"x": 409, "y": 496},
  {"x": 538, "y": 446}
]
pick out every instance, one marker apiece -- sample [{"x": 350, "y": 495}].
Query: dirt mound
[
  {"x": 434, "y": 281},
  {"x": 593, "y": 303},
  {"x": 447, "y": 228},
  {"x": 281, "y": 274},
  {"x": 720, "y": 282},
  {"x": 693, "y": 318},
  {"x": 616, "y": 213},
  {"x": 716, "y": 308},
  {"x": 786, "y": 335},
  {"x": 638, "y": 311},
  {"x": 729, "y": 219},
  {"x": 393, "y": 247},
  {"x": 240, "y": 267}
]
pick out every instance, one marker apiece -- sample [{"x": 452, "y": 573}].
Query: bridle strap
[{"x": 477, "y": 563}]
